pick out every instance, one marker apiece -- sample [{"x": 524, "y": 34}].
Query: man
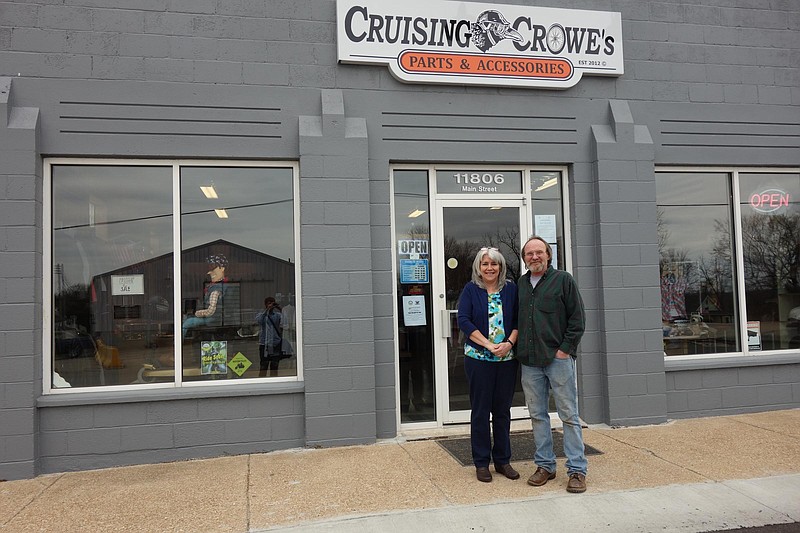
[{"x": 551, "y": 324}]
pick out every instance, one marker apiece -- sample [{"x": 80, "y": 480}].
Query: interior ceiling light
[
  {"x": 221, "y": 213},
  {"x": 209, "y": 191},
  {"x": 415, "y": 213},
  {"x": 547, "y": 184},
  {"x": 496, "y": 207}
]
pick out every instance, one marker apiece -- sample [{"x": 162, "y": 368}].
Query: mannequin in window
[{"x": 213, "y": 299}]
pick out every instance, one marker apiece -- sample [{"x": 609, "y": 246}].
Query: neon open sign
[{"x": 770, "y": 200}]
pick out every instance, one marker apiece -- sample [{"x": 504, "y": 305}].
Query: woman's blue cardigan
[{"x": 473, "y": 310}]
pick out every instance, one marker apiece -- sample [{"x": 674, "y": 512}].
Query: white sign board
[
  {"x": 754, "y": 335},
  {"x": 465, "y": 43},
  {"x": 545, "y": 227},
  {"x": 126, "y": 285},
  {"x": 414, "y": 310}
]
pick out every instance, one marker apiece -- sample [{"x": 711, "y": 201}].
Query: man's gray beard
[{"x": 541, "y": 266}]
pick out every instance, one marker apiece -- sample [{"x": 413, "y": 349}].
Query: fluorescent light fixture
[
  {"x": 415, "y": 213},
  {"x": 221, "y": 213},
  {"x": 547, "y": 184},
  {"x": 495, "y": 207},
  {"x": 209, "y": 191}
]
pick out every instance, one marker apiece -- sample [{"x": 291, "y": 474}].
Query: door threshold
[{"x": 456, "y": 430}]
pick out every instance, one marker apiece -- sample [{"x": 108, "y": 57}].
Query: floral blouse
[{"x": 496, "y": 333}]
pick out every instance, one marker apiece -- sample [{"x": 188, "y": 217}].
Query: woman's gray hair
[{"x": 495, "y": 255}]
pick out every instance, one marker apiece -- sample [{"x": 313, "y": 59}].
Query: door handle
[{"x": 447, "y": 331}]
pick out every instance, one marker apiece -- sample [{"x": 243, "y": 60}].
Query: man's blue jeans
[
  {"x": 193, "y": 322},
  {"x": 536, "y": 383}
]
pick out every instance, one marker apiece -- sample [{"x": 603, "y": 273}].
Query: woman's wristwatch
[{"x": 510, "y": 342}]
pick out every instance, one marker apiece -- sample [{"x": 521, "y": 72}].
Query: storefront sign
[
  {"x": 415, "y": 248},
  {"x": 480, "y": 44},
  {"x": 770, "y": 200}
]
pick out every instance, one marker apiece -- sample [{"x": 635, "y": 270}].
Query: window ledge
[
  {"x": 731, "y": 362},
  {"x": 158, "y": 395}
]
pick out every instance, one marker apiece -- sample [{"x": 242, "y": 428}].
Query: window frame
[
  {"x": 176, "y": 165},
  {"x": 733, "y": 173}
]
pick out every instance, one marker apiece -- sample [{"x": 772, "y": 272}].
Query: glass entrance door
[{"x": 467, "y": 226}]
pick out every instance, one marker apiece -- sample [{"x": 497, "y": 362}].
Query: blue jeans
[
  {"x": 536, "y": 383},
  {"x": 193, "y": 322}
]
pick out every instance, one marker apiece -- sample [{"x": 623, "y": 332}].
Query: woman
[
  {"x": 487, "y": 315},
  {"x": 270, "y": 338}
]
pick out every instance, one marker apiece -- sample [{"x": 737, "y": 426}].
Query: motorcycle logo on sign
[
  {"x": 480, "y": 44},
  {"x": 490, "y": 28}
]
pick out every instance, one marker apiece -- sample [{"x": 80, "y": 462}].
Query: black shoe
[
  {"x": 507, "y": 471},
  {"x": 483, "y": 474}
]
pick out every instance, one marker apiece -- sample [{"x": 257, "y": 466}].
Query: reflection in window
[
  {"x": 114, "y": 284},
  {"x": 770, "y": 209},
  {"x": 237, "y": 229},
  {"x": 412, "y": 238},
  {"x": 547, "y": 209},
  {"x": 696, "y": 232},
  {"x": 698, "y": 301},
  {"x": 112, "y": 272}
]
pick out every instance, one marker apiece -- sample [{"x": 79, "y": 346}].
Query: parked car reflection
[{"x": 73, "y": 341}]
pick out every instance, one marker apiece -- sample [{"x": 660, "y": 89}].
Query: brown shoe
[
  {"x": 507, "y": 471},
  {"x": 540, "y": 477},
  {"x": 576, "y": 483},
  {"x": 483, "y": 474}
]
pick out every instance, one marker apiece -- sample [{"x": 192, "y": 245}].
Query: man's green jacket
[{"x": 551, "y": 317}]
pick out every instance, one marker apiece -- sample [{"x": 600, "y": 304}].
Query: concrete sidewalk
[{"x": 688, "y": 475}]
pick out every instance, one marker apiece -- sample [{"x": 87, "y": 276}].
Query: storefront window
[
  {"x": 114, "y": 316},
  {"x": 414, "y": 295},
  {"x": 547, "y": 208},
  {"x": 770, "y": 209},
  {"x": 701, "y": 288}
]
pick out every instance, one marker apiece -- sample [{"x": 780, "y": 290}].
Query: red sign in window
[{"x": 770, "y": 200}]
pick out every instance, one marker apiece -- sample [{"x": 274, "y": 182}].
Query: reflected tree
[
  {"x": 72, "y": 308},
  {"x": 507, "y": 241},
  {"x": 464, "y": 253},
  {"x": 772, "y": 252}
]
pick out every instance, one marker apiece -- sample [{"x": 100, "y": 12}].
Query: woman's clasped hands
[{"x": 500, "y": 350}]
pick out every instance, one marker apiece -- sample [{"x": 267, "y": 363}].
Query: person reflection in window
[
  {"x": 270, "y": 339},
  {"x": 214, "y": 297}
]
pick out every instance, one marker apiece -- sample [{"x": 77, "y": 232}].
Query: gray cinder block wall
[
  {"x": 725, "y": 65},
  {"x": 339, "y": 362},
  {"x": 20, "y": 285}
]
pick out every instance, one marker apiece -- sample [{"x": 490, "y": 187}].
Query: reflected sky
[
  {"x": 258, "y": 203},
  {"x": 109, "y": 217}
]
